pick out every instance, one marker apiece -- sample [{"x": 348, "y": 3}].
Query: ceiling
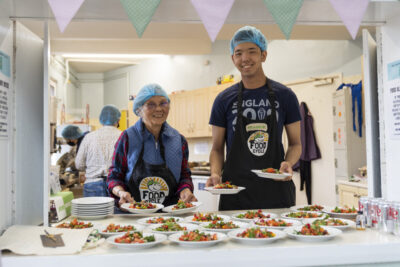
[{"x": 102, "y": 27}]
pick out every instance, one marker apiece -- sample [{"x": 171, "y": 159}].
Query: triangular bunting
[
  {"x": 213, "y": 14},
  {"x": 140, "y": 12},
  {"x": 64, "y": 11},
  {"x": 351, "y": 13},
  {"x": 285, "y": 13}
]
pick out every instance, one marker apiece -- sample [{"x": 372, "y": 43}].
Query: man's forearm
[
  {"x": 293, "y": 154},
  {"x": 216, "y": 162}
]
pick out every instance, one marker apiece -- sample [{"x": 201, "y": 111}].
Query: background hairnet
[
  {"x": 248, "y": 34},
  {"x": 71, "y": 132},
  {"x": 147, "y": 92},
  {"x": 109, "y": 115}
]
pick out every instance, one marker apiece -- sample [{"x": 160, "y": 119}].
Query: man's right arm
[{"x": 216, "y": 155}]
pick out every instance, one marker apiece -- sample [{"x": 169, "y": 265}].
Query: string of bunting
[{"x": 213, "y": 13}]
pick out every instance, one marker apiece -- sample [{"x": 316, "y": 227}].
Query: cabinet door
[
  {"x": 348, "y": 196},
  {"x": 339, "y": 107},
  {"x": 340, "y": 162},
  {"x": 339, "y": 135},
  {"x": 199, "y": 113},
  {"x": 181, "y": 114},
  {"x": 172, "y": 111},
  {"x": 132, "y": 118}
]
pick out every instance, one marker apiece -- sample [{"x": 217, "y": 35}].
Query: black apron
[
  {"x": 154, "y": 183},
  {"x": 256, "y": 145}
]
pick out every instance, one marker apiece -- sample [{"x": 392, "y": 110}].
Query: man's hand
[
  {"x": 287, "y": 168},
  {"x": 187, "y": 195},
  {"x": 213, "y": 180},
  {"x": 124, "y": 197}
]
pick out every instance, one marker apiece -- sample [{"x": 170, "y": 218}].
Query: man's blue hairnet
[
  {"x": 248, "y": 34},
  {"x": 109, "y": 115},
  {"x": 147, "y": 92},
  {"x": 71, "y": 132}
]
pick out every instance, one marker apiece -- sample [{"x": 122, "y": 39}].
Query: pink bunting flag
[
  {"x": 351, "y": 12},
  {"x": 213, "y": 14},
  {"x": 64, "y": 11}
]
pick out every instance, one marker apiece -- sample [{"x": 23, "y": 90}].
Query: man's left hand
[
  {"x": 287, "y": 168},
  {"x": 187, "y": 195}
]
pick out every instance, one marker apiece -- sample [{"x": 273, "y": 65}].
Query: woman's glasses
[{"x": 153, "y": 106}]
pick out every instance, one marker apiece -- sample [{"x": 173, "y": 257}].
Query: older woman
[{"x": 150, "y": 157}]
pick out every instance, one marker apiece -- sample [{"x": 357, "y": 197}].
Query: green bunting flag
[
  {"x": 285, "y": 13},
  {"x": 140, "y": 12}
]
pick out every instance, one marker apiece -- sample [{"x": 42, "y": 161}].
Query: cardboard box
[{"x": 62, "y": 200}]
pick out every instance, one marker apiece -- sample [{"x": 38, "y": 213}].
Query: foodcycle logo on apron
[
  {"x": 258, "y": 141},
  {"x": 153, "y": 189}
]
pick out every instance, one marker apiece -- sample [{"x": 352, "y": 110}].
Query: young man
[{"x": 252, "y": 130}]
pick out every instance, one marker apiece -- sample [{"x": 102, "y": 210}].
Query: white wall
[
  {"x": 29, "y": 127},
  {"x": 91, "y": 92},
  {"x": 116, "y": 88},
  {"x": 390, "y": 52},
  {"x": 6, "y": 145}
]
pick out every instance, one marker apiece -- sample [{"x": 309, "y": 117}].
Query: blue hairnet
[
  {"x": 248, "y": 34},
  {"x": 109, "y": 115},
  {"x": 147, "y": 92},
  {"x": 71, "y": 132}
]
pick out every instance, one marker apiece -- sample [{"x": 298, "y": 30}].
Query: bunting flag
[
  {"x": 285, "y": 13},
  {"x": 140, "y": 12},
  {"x": 351, "y": 13},
  {"x": 64, "y": 11},
  {"x": 213, "y": 14}
]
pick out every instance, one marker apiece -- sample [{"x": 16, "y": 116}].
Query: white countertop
[
  {"x": 361, "y": 184},
  {"x": 352, "y": 247}
]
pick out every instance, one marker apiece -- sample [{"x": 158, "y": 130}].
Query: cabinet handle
[
  {"x": 357, "y": 195},
  {"x": 334, "y": 136},
  {"x": 334, "y": 110},
  {"x": 336, "y": 164}
]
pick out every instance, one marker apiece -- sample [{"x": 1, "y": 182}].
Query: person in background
[
  {"x": 150, "y": 160},
  {"x": 73, "y": 136},
  {"x": 96, "y": 151},
  {"x": 249, "y": 118}
]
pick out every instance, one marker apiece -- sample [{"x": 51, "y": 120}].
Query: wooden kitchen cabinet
[{"x": 349, "y": 195}]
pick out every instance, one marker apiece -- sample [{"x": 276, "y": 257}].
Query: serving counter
[{"x": 351, "y": 247}]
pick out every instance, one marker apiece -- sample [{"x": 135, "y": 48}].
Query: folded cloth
[{"x": 25, "y": 240}]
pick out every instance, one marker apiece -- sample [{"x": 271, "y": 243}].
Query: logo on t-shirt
[
  {"x": 153, "y": 189},
  {"x": 258, "y": 143}
]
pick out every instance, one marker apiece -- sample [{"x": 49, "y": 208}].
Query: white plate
[
  {"x": 143, "y": 220},
  {"x": 142, "y": 211},
  {"x": 284, "y": 215},
  {"x": 197, "y": 244},
  {"x": 294, "y": 223},
  {"x": 299, "y": 207},
  {"x": 275, "y": 176},
  {"x": 188, "y": 226},
  {"x": 111, "y": 211},
  {"x": 159, "y": 238},
  {"x": 92, "y": 217},
  {"x": 332, "y": 232},
  {"x": 189, "y": 219},
  {"x": 222, "y": 191},
  {"x": 234, "y": 216},
  {"x": 181, "y": 211},
  {"x": 256, "y": 241},
  {"x": 342, "y": 227},
  {"x": 107, "y": 234},
  {"x": 240, "y": 224},
  {"x": 93, "y": 200},
  {"x": 339, "y": 215}
]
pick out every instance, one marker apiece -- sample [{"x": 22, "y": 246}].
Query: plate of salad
[
  {"x": 223, "y": 226},
  {"x": 182, "y": 207},
  {"x": 317, "y": 208},
  {"x": 250, "y": 215},
  {"x": 256, "y": 235},
  {"x": 159, "y": 220},
  {"x": 136, "y": 240},
  {"x": 275, "y": 223},
  {"x": 299, "y": 215},
  {"x": 117, "y": 229},
  {"x": 142, "y": 207},
  {"x": 74, "y": 224},
  {"x": 342, "y": 212},
  {"x": 224, "y": 188},
  {"x": 338, "y": 223},
  {"x": 271, "y": 173},
  {"x": 201, "y": 217},
  {"x": 171, "y": 228},
  {"x": 312, "y": 233},
  {"x": 197, "y": 238}
]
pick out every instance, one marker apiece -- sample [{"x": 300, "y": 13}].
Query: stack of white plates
[{"x": 91, "y": 208}]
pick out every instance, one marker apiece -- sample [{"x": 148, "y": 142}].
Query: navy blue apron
[
  {"x": 153, "y": 182},
  {"x": 256, "y": 145}
]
